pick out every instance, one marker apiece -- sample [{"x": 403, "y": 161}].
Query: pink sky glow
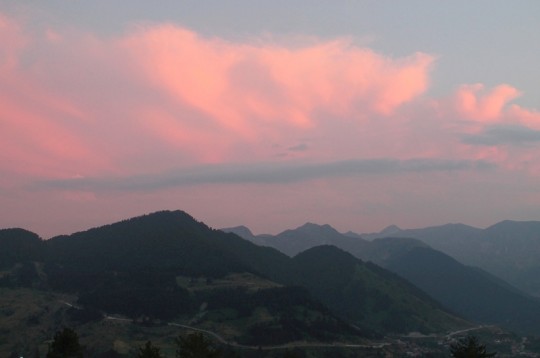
[{"x": 267, "y": 132}]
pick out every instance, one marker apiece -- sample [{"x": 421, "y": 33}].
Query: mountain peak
[
  {"x": 353, "y": 235},
  {"x": 163, "y": 222},
  {"x": 311, "y": 227},
  {"x": 389, "y": 230},
  {"x": 513, "y": 223},
  {"x": 17, "y": 233},
  {"x": 243, "y": 231},
  {"x": 326, "y": 252}
]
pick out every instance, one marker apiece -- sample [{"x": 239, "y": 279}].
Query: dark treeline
[{"x": 65, "y": 344}]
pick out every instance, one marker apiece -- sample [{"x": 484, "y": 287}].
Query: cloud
[
  {"x": 265, "y": 173},
  {"x": 240, "y": 85},
  {"x": 108, "y": 123},
  {"x": 504, "y": 135},
  {"x": 161, "y": 96},
  {"x": 13, "y": 41},
  {"x": 298, "y": 148},
  {"x": 474, "y": 102}
]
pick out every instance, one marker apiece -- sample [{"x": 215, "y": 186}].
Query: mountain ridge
[
  {"x": 508, "y": 249},
  {"x": 167, "y": 264},
  {"x": 389, "y": 251}
]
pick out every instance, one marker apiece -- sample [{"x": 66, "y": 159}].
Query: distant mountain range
[
  {"x": 509, "y": 249},
  {"x": 167, "y": 267},
  {"x": 292, "y": 242},
  {"x": 469, "y": 291}
]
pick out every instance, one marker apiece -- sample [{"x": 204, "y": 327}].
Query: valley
[{"x": 162, "y": 275}]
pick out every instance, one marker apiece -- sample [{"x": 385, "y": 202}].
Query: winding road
[
  {"x": 222, "y": 340},
  {"x": 283, "y": 346}
]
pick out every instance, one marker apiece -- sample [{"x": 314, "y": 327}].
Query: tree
[
  {"x": 149, "y": 351},
  {"x": 195, "y": 345},
  {"x": 65, "y": 345},
  {"x": 296, "y": 353},
  {"x": 469, "y": 347}
]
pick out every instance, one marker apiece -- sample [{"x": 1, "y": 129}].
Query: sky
[{"x": 358, "y": 114}]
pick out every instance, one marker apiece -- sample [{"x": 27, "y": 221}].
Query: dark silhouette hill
[
  {"x": 19, "y": 245},
  {"x": 369, "y": 295},
  {"x": 19, "y": 251},
  {"x": 165, "y": 240},
  {"x": 167, "y": 264}
]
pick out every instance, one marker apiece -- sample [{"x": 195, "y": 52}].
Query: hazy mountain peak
[
  {"x": 389, "y": 230},
  {"x": 353, "y": 235},
  {"x": 513, "y": 224},
  {"x": 327, "y": 248},
  {"x": 457, "y": 225},
  {"x": 243, "y": 231},
  {"x": 311, "y": 227}
]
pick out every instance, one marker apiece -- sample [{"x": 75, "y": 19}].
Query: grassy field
[
  {"x": 28, "y": 318},
  {"x": 235, "y": 280}
]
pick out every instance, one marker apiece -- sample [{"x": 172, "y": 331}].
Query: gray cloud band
[
  {"x": 269, "y": 173},
  {"x": 504, "y": 134}
]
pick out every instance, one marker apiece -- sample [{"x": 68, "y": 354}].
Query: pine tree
[
  {"x": 469, "y": 347},
  {"x": 149, "y": 351},
  {"x": 65, "y": 345},
  {"x": 195, "y": 345}
]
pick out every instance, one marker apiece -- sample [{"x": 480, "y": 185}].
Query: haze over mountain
[
  {"x": 167, "y": 266},
  {"x": 270, "y": 114},
  {"x": 349, "y": 112},
  {"x": 292, "y": 242},
  {"x": 508, "y": 249},
  {"x": 467, "y": 290}
]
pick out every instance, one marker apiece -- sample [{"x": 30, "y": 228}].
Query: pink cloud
[
  {"x": 527, "y": 117},
  {"x": 471, "y": 111},
  {"x": 242, "y": 85},
  {"x": 12, "y": 40},
  {"x": 161, "y": 97},
  {"x": 93, "y": 104},
  {"x": 473, "y": 102}
]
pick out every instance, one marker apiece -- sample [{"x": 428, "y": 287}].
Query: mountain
[
  {"x": 353, "y": 235},
  {"x": 380, "y": 251},
  {"x": 19, "y": 250},
  {"x": 167, "y": 266},
  {"x": 465, "y": 290},
  {"x": 509, "y": 249},
  {"x": 242, "y": 231},
  {"x": 468, "y": 291},
  {"x": 168, "y": 240},
  {"x": 19, "y": 245},
  {"x": 387, "y": 231},
  {"x": 145, "y": 265},
  {"x": 292, "y": 242},
  {"x": 447, "y": 231},
  {"x": 370, "y": 296}
]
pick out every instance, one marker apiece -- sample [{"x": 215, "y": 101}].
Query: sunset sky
[{"x": 357, "y": 114}]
